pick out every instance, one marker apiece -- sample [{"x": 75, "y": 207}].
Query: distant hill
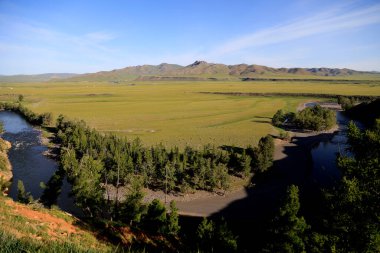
[
  {"x": 197, "y": 71},
  {"x": 35, "y": 78},
  {"x": 201, "y": 70}
]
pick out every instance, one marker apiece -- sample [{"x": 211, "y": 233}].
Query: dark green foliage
[
  {"x": 46, "y": 118},
  {"x": 346, "y": 102},
  {"x": 22, "y": 195},
  {"x": 288, "y": 232},
  {"x": 263, "y": 155},
  {"x": 215, "y": 237},
  {"x": 20, "y": 98},
  {"x": 86, "y": 186},
  {"x": 52, "y": 188},
  {"x": 155, "y": 219},
  {"x": 315, "y": 118},
  {"x": 172, "y": 220},
  {"x": 133, "y": 208},
  {"x": 354, "y": 205},
  {"x": 280, "y": 117}
]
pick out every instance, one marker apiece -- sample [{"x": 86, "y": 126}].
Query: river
[
  {"x": 32, "y": 167},
  {"x": 28, "y": 162}
]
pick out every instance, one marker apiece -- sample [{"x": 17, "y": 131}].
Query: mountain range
[{"x": 199, "y": 70}]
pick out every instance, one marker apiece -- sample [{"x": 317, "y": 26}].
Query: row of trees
[{"x": 314, "y": 118}]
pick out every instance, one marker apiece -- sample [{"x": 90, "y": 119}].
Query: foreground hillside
[{"x": 28, "y": 228}]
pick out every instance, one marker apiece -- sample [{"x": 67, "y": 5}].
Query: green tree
[
  {"x": 133, "y": 207},
  {"x": 346, "y": 103},
  {"x": 263, "y": 154},
  {"x": 22, "y": 195},
  {"x": 215, "y": 237},
  {"x": 155, "y": 218},
  {"x": 89, "y": 194},
  {"x": 288, "y": 232},
  {"x": 278, "y": 118},
  {"x": 46, "y": 119},
  {"x": 354, "y": 204},
  {"x": 315, "y": 118},
  {"x": 205, "y": 235},
  {"x": 172, "y": 220}
]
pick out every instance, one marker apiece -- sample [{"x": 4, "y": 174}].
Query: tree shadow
[
  {"x": 232, "y": 149},
  {"x": 261, "y": 121},
  {"x": 249, "y": 217},
  {"x": 262, "y": 117}
]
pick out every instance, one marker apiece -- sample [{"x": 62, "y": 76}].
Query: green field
[{"x": 175, "y": 113}]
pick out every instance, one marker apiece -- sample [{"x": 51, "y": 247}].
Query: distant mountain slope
[
  {"x": 35, "y": 78},
  {"x": 201, "y": 70}
]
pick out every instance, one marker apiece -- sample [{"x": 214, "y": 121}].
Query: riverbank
[
  {"x": 292, "y": 162},
  {"x": 5, "y": 165}
]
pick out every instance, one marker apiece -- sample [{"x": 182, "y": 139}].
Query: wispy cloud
[
  {"x": 336, "y": 19},
  {"x": 27, "y": 41}
]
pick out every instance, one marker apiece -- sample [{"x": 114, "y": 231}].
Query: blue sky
[{"x": 81, "y": 36}]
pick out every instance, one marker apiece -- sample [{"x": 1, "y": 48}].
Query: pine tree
[
  {"x": 172, "y": 220},
  {"x": 22, "y": 195},
  {"x": 288, "y": 228}
]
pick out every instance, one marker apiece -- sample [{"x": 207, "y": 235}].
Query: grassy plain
[{"x": 175, "y": 112}]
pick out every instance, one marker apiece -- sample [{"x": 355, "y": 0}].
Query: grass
[
  {"x": 175, "y": 113},
  {"x": 25, "y": 233}
]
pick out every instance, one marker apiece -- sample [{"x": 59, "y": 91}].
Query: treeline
[
  {"x": 314, "y": 118},
  {"x": 158, "y": 167},
  {"x": 44, "y": 119}
]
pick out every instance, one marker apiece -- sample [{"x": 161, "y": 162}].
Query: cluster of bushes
[
  {"x": 314, "y": 118},
  {"x": 346, "y": 102},
  {"x": 44, "y": 119}
]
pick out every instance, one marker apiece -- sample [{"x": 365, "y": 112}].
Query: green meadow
[{"x": 175, "y": 112}]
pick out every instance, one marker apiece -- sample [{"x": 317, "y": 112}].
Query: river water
[
  {"x": 32, "y": 167},
  {"x": 324, "y": 154},
  {"x": 28, "y": 162}
]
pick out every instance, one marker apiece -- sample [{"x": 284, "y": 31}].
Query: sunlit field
[{"x": 175, "y": 113}]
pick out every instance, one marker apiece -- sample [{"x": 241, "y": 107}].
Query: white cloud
[{"x": 336, "y": 19}]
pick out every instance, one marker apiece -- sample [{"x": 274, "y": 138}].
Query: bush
[{"x": 315, "y": 118}]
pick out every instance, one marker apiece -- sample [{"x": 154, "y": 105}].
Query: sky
[{"x": 81, "y": 36}]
